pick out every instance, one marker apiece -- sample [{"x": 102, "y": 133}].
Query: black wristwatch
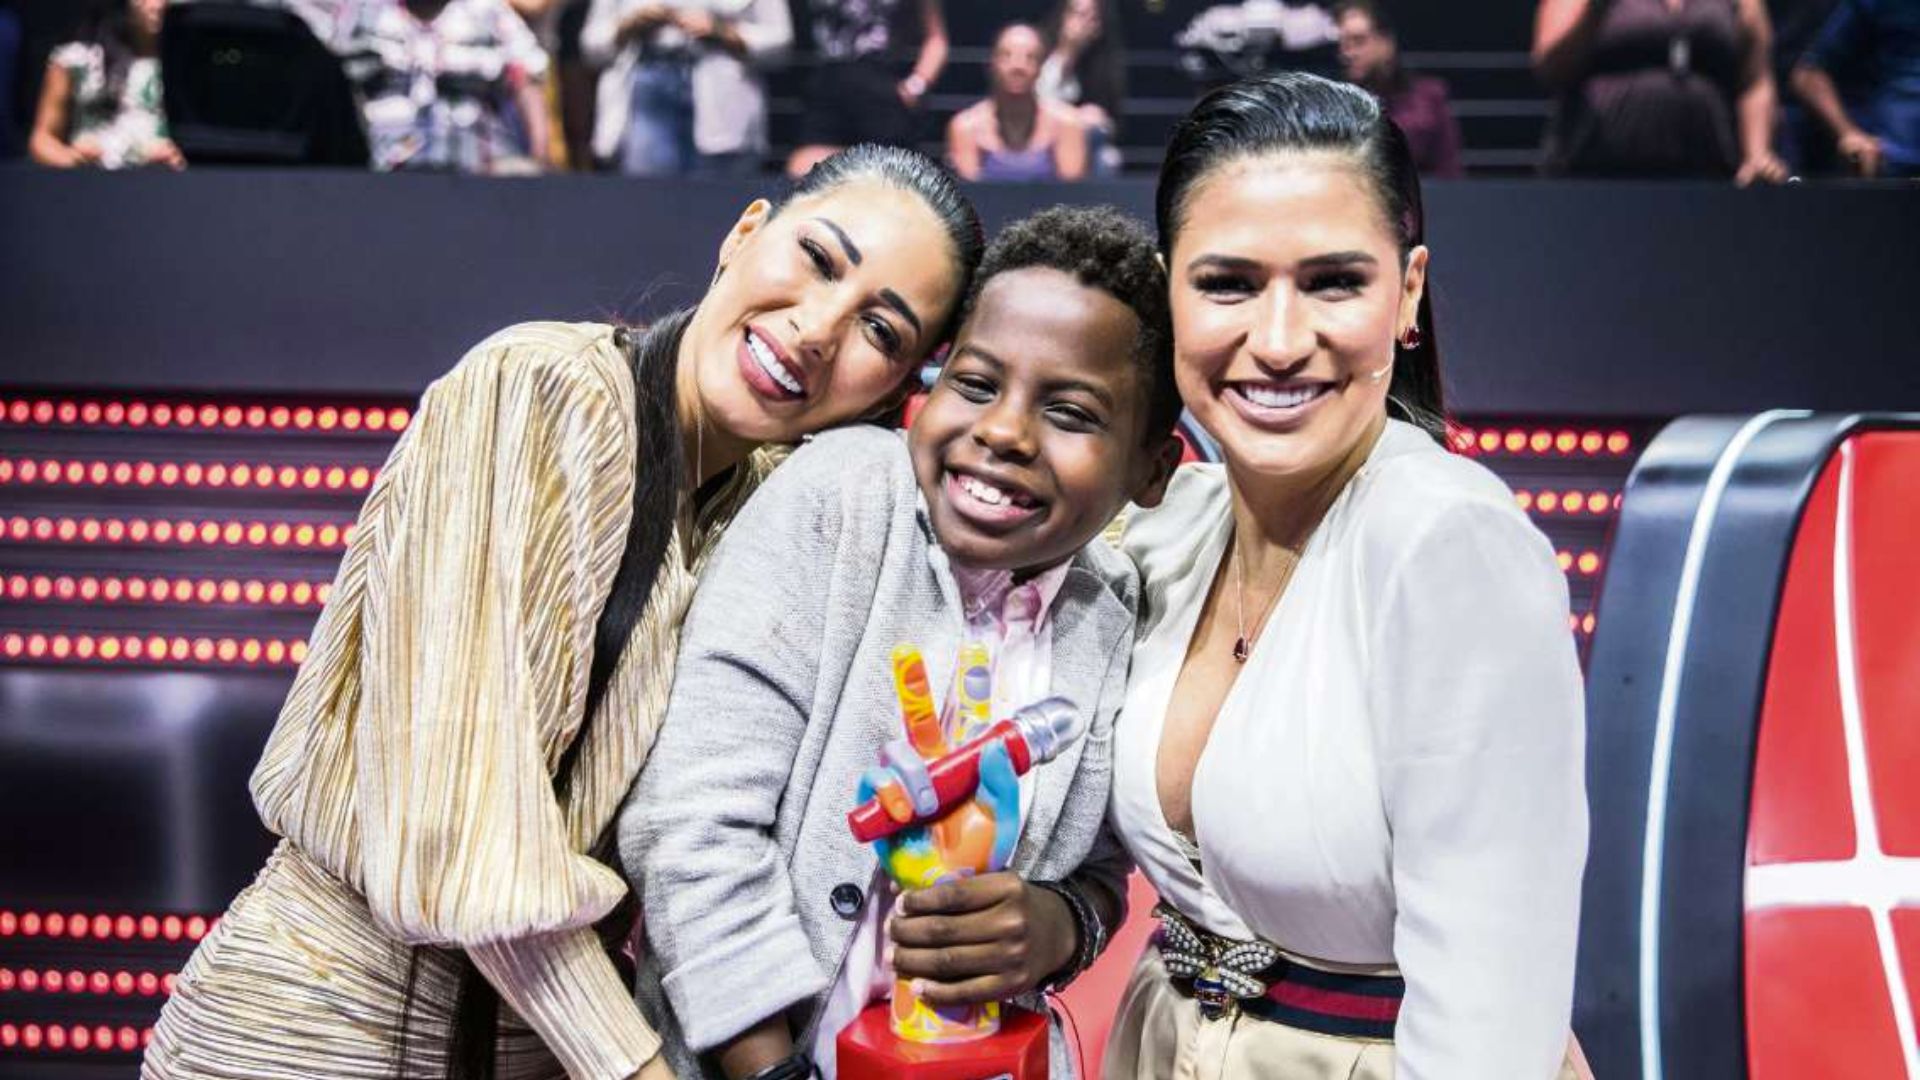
[{"x": 795, "y": 1066}]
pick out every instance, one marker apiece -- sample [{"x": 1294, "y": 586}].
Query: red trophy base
[{"x": 869, "y": 1050}]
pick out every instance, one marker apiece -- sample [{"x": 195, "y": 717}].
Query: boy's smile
[
  {"x": 991, "y": 502},
  {"x": 1034, "y": 436}
]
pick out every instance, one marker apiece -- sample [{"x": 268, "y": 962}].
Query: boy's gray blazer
[{"x": 735, "y": 835}]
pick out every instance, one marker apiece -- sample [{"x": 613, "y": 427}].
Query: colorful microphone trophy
[{"x": 944, "y": 803}]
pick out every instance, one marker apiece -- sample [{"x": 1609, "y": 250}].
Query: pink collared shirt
[{"x": 1015, "y": 622}]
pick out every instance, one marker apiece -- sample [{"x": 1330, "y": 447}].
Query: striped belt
[{"x": 1227, "y": 977}]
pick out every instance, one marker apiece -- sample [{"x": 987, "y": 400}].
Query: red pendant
[{"x": 1240, "y": 650}]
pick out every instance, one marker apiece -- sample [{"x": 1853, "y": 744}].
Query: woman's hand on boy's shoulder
[{"x": 985, "y": 938}]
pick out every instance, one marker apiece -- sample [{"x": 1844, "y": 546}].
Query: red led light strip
[
  {"x": 1581, "y": 624},
  {"x": 1571, "y": 503},
  {"x": 1584, "y": 563},
  {"x": 52, "y": 412},
  {"x": 315, "y": 535},
  {"x": 101, "y": 1037},
  {"x": 193, "y": 474},
  {"x": 81, "y": 926},
  {"x": 150, "y": 649},
  {"x": 88, "y": 589},
  {"x": 1541, "y": 442},
  {"x": 102, "y": 983}
]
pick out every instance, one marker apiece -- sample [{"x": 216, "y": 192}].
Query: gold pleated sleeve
[{"x": 415, "y": 756}]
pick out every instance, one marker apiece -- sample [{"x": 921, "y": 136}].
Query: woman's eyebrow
[
  {"x": 846, "y": 242},
  {"x": 896, "y": 302},
  {"x": 1229, "y": 263},
  {"x": 1341, "y": 258},
  {"x": 1239, "y": 264}
]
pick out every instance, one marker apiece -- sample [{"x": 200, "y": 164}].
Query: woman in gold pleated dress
[{"x": 489, "y": 675}]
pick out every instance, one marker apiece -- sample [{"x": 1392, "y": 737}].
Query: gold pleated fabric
[{"x": 410, "y": 772}]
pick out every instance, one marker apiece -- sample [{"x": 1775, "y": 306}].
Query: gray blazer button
[{"x": 846, "y": 899}]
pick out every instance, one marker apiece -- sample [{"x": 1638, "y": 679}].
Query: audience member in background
[
  {"x": 447, "y": 84},
  {"x": 575, "y": 82},
  {"x": 100, "y": 103},
  {"x": 1370, "y": 55},
  {"x": 543, "y": 18},
  {"x": 1802, "y": 140},
  {"x": 1015, "y": 134},
  {"x": 1088, "y": 70},
  {"x": 1796, "y": 23},
  {"x": 1232, "y": 41},
  {"x": 857, "y": 93},
  {"x": 681, "y": 93},
  {"x": 1875, "y": 46},
  {"x": 1659, "y": 88}
]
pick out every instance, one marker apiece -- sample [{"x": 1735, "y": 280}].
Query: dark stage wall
[{"x": 1567, "y": 299}]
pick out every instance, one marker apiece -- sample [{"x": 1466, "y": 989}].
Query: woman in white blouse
[{"x": 1351, "y": 755}]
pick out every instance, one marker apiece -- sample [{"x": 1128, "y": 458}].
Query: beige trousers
[{"x": 1160, "y": 1035}]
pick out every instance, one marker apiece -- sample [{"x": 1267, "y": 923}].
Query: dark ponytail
[
  {"x": 653, "y": 354},
  {"x": 1294, "y": 112}
]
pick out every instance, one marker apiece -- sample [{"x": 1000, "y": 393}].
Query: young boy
[{"x": 767, "y": 920}]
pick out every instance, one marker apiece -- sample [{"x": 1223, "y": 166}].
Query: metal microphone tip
[{"x": 1049, "y": 726}]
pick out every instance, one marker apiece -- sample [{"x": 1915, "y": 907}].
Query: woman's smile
[
  {"x": 770, "y": 369},
  {"x": 1277, "y": 405}
]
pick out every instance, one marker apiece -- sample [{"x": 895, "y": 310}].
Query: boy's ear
[{"x": 1166, "y": 458}]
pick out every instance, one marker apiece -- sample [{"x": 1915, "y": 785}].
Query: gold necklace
[{"x": 1242, "y": 648}]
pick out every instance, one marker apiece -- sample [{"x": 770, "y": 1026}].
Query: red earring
[{"x": 1411, "y": 339}]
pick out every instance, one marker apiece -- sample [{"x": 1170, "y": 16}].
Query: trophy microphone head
[{"x": 1049, "y": 726}]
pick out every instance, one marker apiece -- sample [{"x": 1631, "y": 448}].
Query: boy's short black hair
[{"x": 1106, "y": 249}]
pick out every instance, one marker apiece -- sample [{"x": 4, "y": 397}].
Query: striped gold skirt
[{"x": 297, "y": 981}]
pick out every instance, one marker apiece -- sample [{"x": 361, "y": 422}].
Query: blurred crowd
[{"x": 1751, "y": 91}]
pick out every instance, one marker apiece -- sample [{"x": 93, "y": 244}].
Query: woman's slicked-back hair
[
  {"x": 918, "y": 174},
  {"x": 1293, "y": 112}
]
